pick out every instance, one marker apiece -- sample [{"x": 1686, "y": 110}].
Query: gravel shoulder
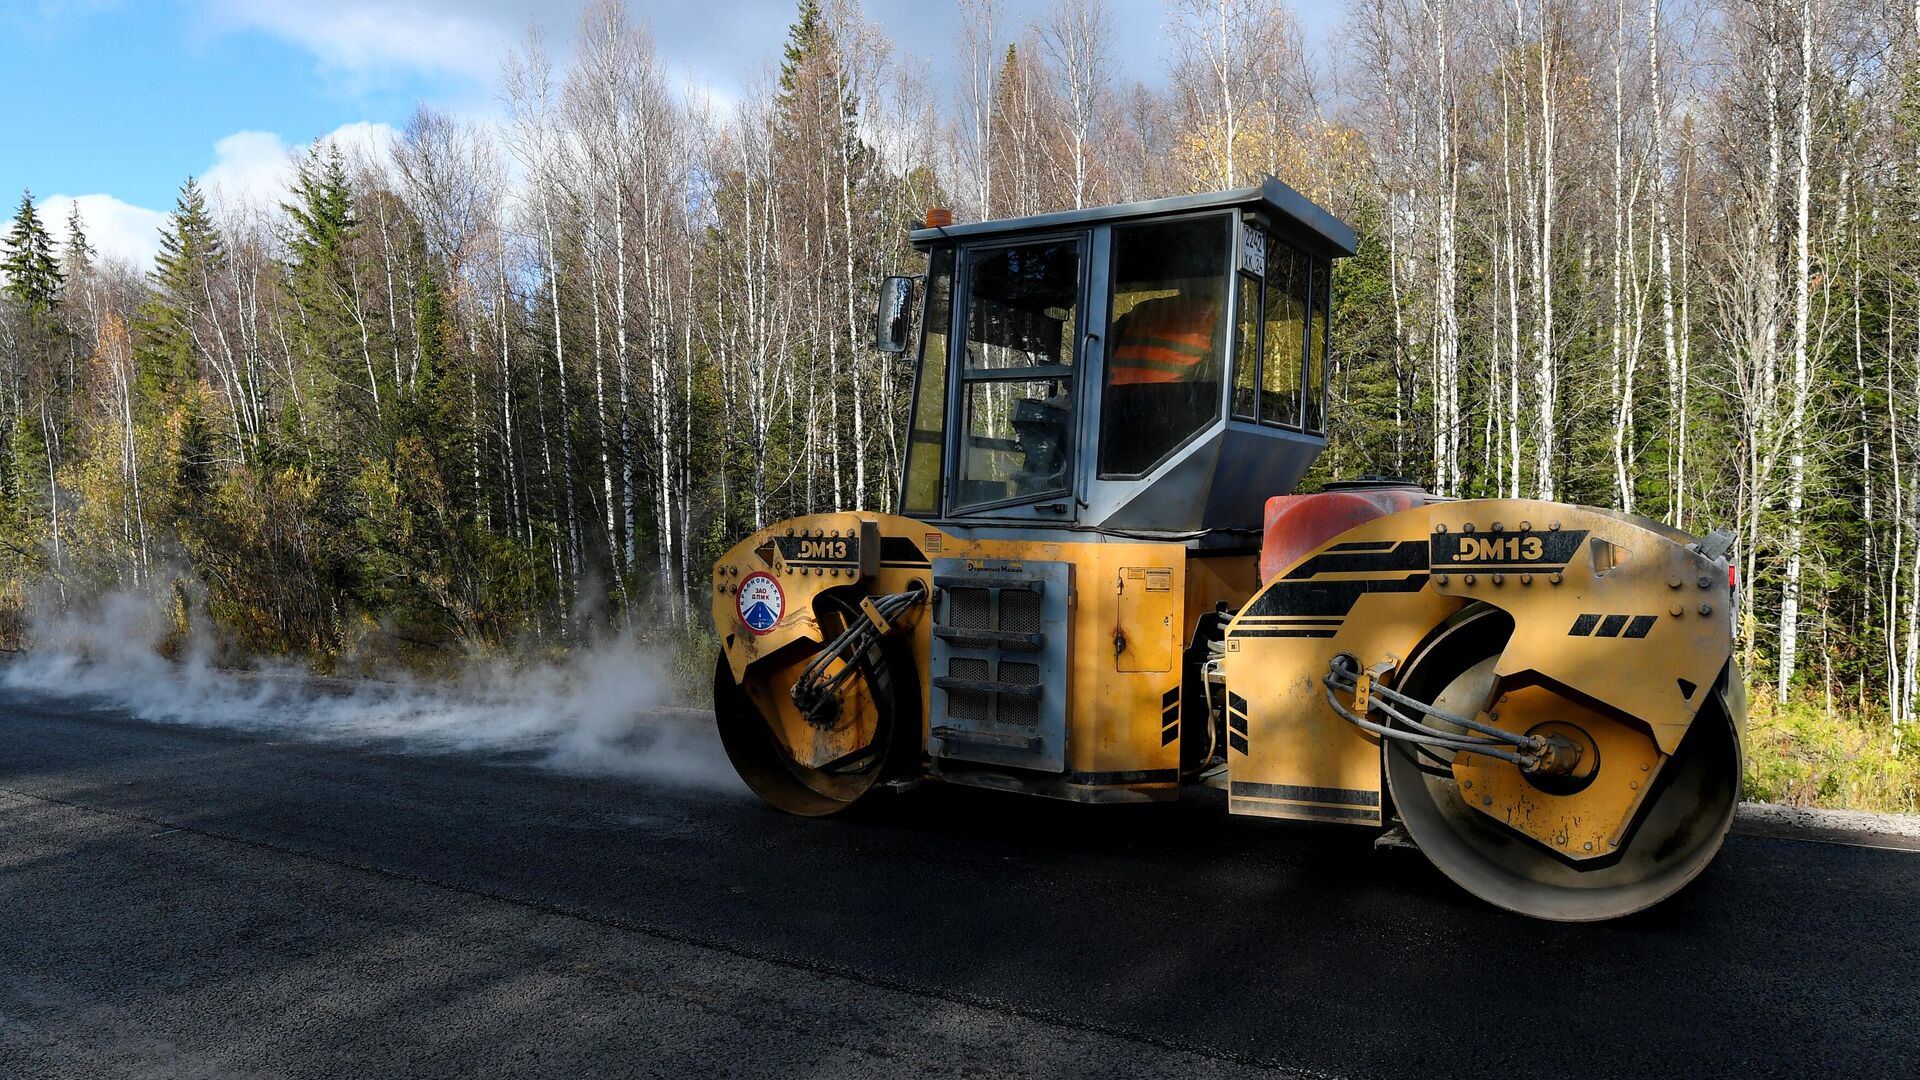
[{"x": 1900, "y": 832}]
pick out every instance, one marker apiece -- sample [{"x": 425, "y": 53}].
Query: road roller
[{"x": 1097, "y": 585}]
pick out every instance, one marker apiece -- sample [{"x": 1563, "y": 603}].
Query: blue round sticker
[{"x": 760, "y": 602}]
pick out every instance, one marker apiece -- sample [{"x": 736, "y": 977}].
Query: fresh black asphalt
[{"x": 183, "y": 901}]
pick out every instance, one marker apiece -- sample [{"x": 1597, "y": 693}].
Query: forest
[{"x": 512, "y": 382}]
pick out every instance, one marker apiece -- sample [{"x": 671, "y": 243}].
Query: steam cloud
[{"x": 607, "y": 710}]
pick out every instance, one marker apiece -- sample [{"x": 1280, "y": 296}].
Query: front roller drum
[
  {"x": 890, "y": 690},
  {"x": 1676, "y": 832}
]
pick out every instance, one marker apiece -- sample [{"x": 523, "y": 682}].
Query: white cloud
[
  {"x": 255, "y": 168},
  {"x": 114, "y": 228},
  {"x": 364, "y": 38},
  {"x": 251, "y": 169},
  {"x": 363, "y": 138}
]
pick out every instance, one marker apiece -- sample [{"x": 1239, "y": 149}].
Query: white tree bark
[{"x": 1797, "y": 414}]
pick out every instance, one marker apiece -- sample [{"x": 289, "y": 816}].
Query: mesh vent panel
[
  {"x": 1001, "y": 624},
  {"x": 1019, "y": 712},
  {"x": 1020, "y": 611},
  {"x": 967, "y": 705},
  {"x": 1019, "y": 674},
  {"x": 970, "y": 609}
]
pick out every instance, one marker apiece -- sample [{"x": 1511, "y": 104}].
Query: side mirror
[{"x": 890, "y": 316}]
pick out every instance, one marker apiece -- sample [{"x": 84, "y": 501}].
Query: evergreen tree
[
  {"x": 804, "y": 39},
  {"x": 33, "y": 274},
  {"x": 190, "y": 251},
  {"x": 79, "y": 253},
  {"x": 322, "y": 210},
  {"x": 810, "y": 69},
  {"x": 320, "y": 277}
]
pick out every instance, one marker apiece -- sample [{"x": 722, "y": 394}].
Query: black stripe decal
[
  {"x": 1405, "y": 555},
  {"x": 1640, "y": 626},
  {"x": 1611, "y": 626},
  {"x": 1328, "y": 598},
  {"x": 1171, "y": 698},
  {"x": 1238, "y": 742},
  {"x": 1300, "y": 793},
  {"x": 902, "y": 551},
  {"x": 1168, "y": 734},
  {"x": 1584, "y": 625},
  {"x": 1283, "y": 633},
  {"x": 1136, "y": 776},
  {"x": 1327, "y": 813}
]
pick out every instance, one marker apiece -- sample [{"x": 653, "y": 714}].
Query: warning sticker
[
  {"x": 1157, "y": 578},
  {"x": 760, "y": 602}
]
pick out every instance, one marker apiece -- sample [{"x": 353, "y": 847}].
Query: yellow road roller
[{"x": 1098, "y": 587}]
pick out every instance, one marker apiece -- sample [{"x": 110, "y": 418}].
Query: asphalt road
[{"x": 180, "y": 901}]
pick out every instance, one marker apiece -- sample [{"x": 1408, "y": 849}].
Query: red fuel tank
[{"x": 1296, "y": 524}]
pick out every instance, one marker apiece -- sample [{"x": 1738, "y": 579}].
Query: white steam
[{"x": 609, "y": 709}]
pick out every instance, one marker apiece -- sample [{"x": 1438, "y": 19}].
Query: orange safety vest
[{"x": 1163, "y": 341}]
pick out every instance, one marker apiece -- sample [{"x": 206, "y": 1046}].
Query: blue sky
[{"x": 125, "y": 98}]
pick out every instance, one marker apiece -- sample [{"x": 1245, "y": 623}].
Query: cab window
[
  {"x": 1282, "y": 353},
  {"x": 1316, "y": 398},
  {"x": 1016, "y": 378},
  {"x": 1166, "y": 340},
  {"x": 1280, "y": 336}
]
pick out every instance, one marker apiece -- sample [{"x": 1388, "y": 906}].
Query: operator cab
[{"x": 1151, "y": 368}]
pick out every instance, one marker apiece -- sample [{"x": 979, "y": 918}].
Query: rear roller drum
[{"x": 1678, "y": 831}]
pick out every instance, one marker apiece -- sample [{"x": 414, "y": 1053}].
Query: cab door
[{"x": 1019, "y": 353}]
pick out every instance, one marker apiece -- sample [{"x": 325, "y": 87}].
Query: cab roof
[{"x": 1291, "y": 215}]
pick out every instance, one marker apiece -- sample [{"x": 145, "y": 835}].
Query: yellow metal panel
[
  {"x": 1601, "y": 602},
  {"x": 1115, "y": 726},
  {"x": 1301, "y": 760},
  {"x": 1143, "y": 629},
  {"x": 1620, "y": 764},
  {"x": 1289, "y": 754}
]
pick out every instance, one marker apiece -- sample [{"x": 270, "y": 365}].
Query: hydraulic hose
[
  {"x": 814, "y": 691},
  {"x": 1343, "y": 675}
]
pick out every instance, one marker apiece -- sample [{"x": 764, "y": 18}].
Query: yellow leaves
[
  {"x": 111, "y": 342},
  {"x": 1318, "y": 158}
]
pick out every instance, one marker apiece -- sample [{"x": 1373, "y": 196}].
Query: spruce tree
[
  {"x": 803, "y": 38},
  {"x": 190, "y": 252},
  {"x": 320, "y": 224},
  {"x": 32, "y": 272},
  {"x": 810, "y": 65},
  {"x": 79, "y": 253},
  {"x": 322, "y": 211}
]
